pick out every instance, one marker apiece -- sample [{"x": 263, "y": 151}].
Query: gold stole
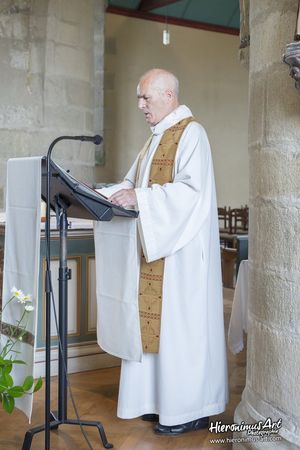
[{"x": 151, "y": 274}]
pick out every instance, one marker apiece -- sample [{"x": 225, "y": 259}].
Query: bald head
[
  {"x": 158, "y": 94},
  {"x": 161, "y": 79}
]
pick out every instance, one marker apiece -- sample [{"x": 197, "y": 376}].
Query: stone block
[
  {"x": 20, "y": 27},
  {"x": 269, "y": 41},
  {"x": 71, "y": 62},
  {"x": 277, "y": 243},
  {"x": 100, "y": 156},
  {"x": 40, "y": 7},
  {"x": 54, "y": 93},
  {"x": 54, "y": 8},
  {"x": 80, "y": 10},
  {"x": 254, "y": 221},
  {"x": 16, "y": 89},
  {"x": 254, "y": 177},
  {"x": 61, "y": 117},
  {"x": 274, "y": 297},
  {"x": 282, "y": 110},
  {"x": 39, "y": 27},
  {"x": 12, "y": 143},
  {"x": 257, "y": 100},
  {"x": 275, "y": 172},
  {"x": 68, "y": 33},
  {"x": 79, "y": 93},
  {"x": 86, "y": 153},
  {"x": 259, "y": 10},
  {"x": 52, "y": 28},
  {"x": 242, "y": 439},
  {"x": 98, "y": 117},
  {"x": 86, "y": 37},
  {"x": 19, "y": 59},
  {"x": 23, "y": 143},
  {"x": 37, "y": 57},
  {"x": 3, "y": 164},
  {"x": 18, "y": 116},
  {"x": 50, "y": 57},
  {"x": 275, "y": 366},
  {"x": 6, "y": 26},
  {"x": 5, "y": 50},
  {"x": 89, "y": 121},
  {"x": 99, "y": 60}
]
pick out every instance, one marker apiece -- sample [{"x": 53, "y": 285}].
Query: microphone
[{"x": 97, "y": 139}]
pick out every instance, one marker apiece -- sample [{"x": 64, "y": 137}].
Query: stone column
[
  {"x": 51, "y": 64},
  {"x": 273, "y": 355}
]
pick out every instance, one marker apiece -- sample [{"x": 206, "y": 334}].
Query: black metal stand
[
  {"x": 53, "y": 420},
  {"x": 61, "y": 417}
]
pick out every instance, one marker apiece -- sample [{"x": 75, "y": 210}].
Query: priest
[{"x": 181, "y": 377}]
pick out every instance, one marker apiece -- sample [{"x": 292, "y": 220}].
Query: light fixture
[{"x": 166, "y": 33}]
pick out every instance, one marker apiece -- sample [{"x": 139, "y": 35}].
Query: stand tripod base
[{"x": 54, "y": 424}]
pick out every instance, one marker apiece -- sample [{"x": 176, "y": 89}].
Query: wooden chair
[
  {"x": 228, "y": 258},
  {"x": 239, "y": 220},
  {"x": 223, "y": 220}
]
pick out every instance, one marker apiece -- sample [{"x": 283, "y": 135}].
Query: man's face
[{"x": 154, "y": 102}]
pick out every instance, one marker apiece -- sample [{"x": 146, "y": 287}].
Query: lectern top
[{"x": 81, "y": 200}]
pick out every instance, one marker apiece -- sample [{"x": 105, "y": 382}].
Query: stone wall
[
  {"x": 51, "y": 63},
  {"x": 273, "y": 361}
]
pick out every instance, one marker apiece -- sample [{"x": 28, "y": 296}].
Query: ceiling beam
[
  {"x": 171, "y": 20},
  {"x": 148, "y": 5}
]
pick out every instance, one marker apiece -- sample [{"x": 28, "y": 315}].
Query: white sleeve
[{"x": 127, "y": 183}]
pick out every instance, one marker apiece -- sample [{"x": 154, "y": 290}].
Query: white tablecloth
[
  {"x": 22, "y": 258},
  {"x": 239, "y": 314}
]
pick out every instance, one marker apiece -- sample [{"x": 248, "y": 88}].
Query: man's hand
[{"x": 125, "y": 198}]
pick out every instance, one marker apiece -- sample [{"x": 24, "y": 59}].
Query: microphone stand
[{"x": 53, "y": 420}]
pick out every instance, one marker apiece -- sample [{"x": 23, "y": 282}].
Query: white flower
[
  {"x": 18, "y": 294},
  {"x": 28, "y": 298},
  {"x": 29, "y": 308}
]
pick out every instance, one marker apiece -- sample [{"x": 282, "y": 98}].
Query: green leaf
[
  {"x": 18, "y": 361},
  {"x": 8, "y": 403},
  {"x": 28, "y": 383},
  {"x": 8, "y": 368},
  {"x": 5, "y": 362},
  {"x": 16, "y": 391},
  {"x": 38, "y": 385},
  {"x": 8, "y": 380}
]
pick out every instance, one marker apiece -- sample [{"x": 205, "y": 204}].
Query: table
[
  {"x": 239, "y": 314},
  {"x": 84, "y": 352}
]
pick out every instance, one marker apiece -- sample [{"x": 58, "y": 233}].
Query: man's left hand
[{"x": 125, "y": 198}]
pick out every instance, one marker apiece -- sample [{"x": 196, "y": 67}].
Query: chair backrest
[
  {"x": 223, "y": 218},
  {"x": 239, "y": 220}
]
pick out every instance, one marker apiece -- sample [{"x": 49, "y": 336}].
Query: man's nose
[{"x": 141, "y": 103}]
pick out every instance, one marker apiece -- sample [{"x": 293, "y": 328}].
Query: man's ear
[{"x": 169, "y": 94}]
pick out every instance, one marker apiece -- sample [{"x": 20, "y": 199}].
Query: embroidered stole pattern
[{"x": 151, "y": 274}]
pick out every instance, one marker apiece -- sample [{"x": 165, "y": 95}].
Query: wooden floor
[{"x": 96, "y": 393}]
